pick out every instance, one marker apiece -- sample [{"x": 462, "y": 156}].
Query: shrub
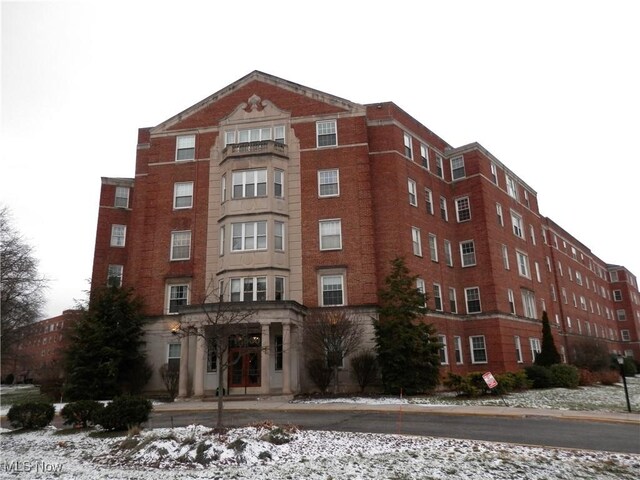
[
  {"x": 540, "y": 377},
  {"x": 365, "y": 368},
  {"x": 629, "y": 367},
  {"x": 608, "y": 377},
  {"x": 9, "y": 379},
  {"x": 565, "y": 376},
  {"x": 591, "y": 354},
  {"x": 82, "y": 412},
  {"x": 124, "y": 412},
  {"x": 31, "y": 414},
  {"x": 320, "y": 373},
  {"x": 463, "y": 385},
  {"x": 587, "y": 378},
  {"x": 170, "y": 378}
]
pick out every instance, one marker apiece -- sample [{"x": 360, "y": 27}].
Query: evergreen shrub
[
  {"x": 124, "y": 412},
  {"x": 31, "y": 414},
  {"x": 83, "y": 413},
  {"x": 540, "y": 377},
  {"x": 565, "y": 376}
]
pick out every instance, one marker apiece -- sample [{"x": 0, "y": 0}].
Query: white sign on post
[{"x": 489, "y": 380}]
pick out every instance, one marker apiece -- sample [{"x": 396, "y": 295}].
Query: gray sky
[{"x": 551, "y": 88}]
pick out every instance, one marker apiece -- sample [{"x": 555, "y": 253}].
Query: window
[
  {"x": 505, "y": 257},
  {"x": 278, "y": 236},
  {"x": 278, "y": 134},
  {"x": 453, "y": 302},
  {"x": 512, "y": 188},
  {"x": 529, "y": 303},
  {"x": 408, "y": 147},
  {"x": 173, "y": 357},
  {"x": 279, "y": 288},
  {"x": 444, "y": 356},
  {"x": 326, "y": 133},
  {"x": 526, "y": 198},
  {"x": 118, "y": 235},
  {"x": 457, "y": 347},
  {"x": 614, "y": 276},
  {"x": 516, "y": 340},
  {"x": 332, "y": 290},
  {"x": 433, "y": 247},
  {"x": 221, "y": 252},
  {"x": 624, "y": 334},
  {"x": 180, "y": 245},
  {"x": 183, "y": 195},
  {"x": 512, "y": 301},
  {"x": 535, "y": 348},
  {"x": 248, "y": 289},
  {"x": 278, "y": 182},
  {"x": 223, "y": 188},
  {"x": 457, "y": 168},
  {"x": 537, "y": 268},
  {"x": 328, "y": 183},
  {"x": 478, "y": 349},
  {"x": 249, "y": 183},
  {"x": 532, "y": 234},
  {"x": 499, "y": 214},
  {"x": 417, "y": 243},
  {"x": 621, "y": 314},
  {"x": 448, "y": 257},
  {"x": 494, "y": 173},
  {"x": 114, "y": 275},
  {"x": 472, "y": 297},
  {"x": 212, "y": 355},
  {"x": 516, "y": 222},
  {"x": 185, "y": 147},
  {"x": 421, "y": 288},
  {"x": 279, "y": 352},
  {"x": 122, "y": 197},
  {"x": 617, "y": 295},
  {"x": 468, "y": 253},
  {"x": 428, "y": 198},
  {"x": 254, "y": 135},
  {"x": 424, "y": 156},
  {"x": 463, "y": 209},
  {"x": 248, "y": 236},
  {"x": 437, "y": 297},
  {"x": 439, "y": 166},
  {"x": 443, "y": 209},
  {"x": 330, "y": 235},
  {"x": 523, "y": 264},
  {"x": 178, "y": 296},
  {"x": 413, "y": 195}
]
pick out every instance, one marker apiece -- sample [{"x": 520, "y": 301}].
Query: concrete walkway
[{"x": 284, "y": 404}]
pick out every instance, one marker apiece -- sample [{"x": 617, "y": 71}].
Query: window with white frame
[
  {"x": 617, "y": 295},
  {"x": 457, "y": 168},
  {"x": 532, "y": 234},
  {"x": 529, "y": 303},
  {"x": 439, "y": 171},
  {"x": 221, "y": 252},
  {"x": 523, "y": 264},
  {"x": 478, "y": 349},
  {"x": 428, "y": 199},
  {"x": 437, "y": 297},
  {"x": 118, "y": 235},
  {"x": 278, "y": 236},
  {"x": 173, "y": 357},
  {"x": 512, "y": 187},
  {"x": 625, "y": 335},
  {"x": 563, "y": 292},
  {"x": 328, "y": 183},
  {"x": 537, "y": 269},
  {"x": 516, "y": 222},
  {"x": 181, "y": 245},
  {"x": 248, "y": 236},
  {"x": 499, "y": 215},
  {"x": 183, "y": 195},
  {"x": 453, "y": 301},
  {"x": 444, "y": 355},
  {"x": 177, "y": 296},
  {"x": 420, "y": 286},
  {"x": 526, "y": 197},
  {"x": 468, "y": 253},
  {"x": 248, "y": 289},
  {"x": 512, "y": 301},
  {"x": 583, "y": 302},
  {"x": 122, "y": 197},
  {"x": 472, "y": 297},
  {"x": 416, "y": 241},
  {"x": 424, "y": 156},
  {"x": 621, "y": 314},
  {"x": 256, "y": 134},
  {"x": 327, "y": 133},
  {"x": 518, "y": 345},
  {"x": 433, "y": 247},
  {"x": 332, "y": 290},
  {"x": 185, "y": 147},
  {"x": 114, "y": 275},
  {"x": 413, "y": 194},
  {"x": 463, "y": 209},
  {"x": 505, "y": 257},
  {"x": 278, "y": 183},
  {"x": 279, "y": 293},
  {"x": 457, "y": 349},
  {"x": 443, "y": 209},
  {"x": 494, "y": 173},
  {"x": 534, "y": 343},
  {"x": 223, "y": 188},
  {"x": 330, "y": 234},
  {"x": 408, "y": 146},
  {"x": 249, "y": 183},
  {"x": 448, "y": 256},
  {"x": 614, "y": 276}
]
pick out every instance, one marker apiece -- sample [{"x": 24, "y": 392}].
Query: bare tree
[
  {"x": 216, "y": 323},
  {"x": 22, "y": 287},
  {"x": 330, "y": 335}
]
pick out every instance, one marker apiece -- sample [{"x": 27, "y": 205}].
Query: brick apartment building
[{"x": 275, "y": 193}]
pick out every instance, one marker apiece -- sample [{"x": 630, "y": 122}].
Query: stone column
[
  {"x": 286, "y": 358},
  {"x": 265, "y": 386},
  {"x": 199, "y": 366},
  {"x": 183, "y": 382}
]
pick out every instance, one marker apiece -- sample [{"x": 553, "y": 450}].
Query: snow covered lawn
[{"x": 267, "y": 452}]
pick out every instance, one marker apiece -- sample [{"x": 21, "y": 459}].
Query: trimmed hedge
[
  {"x": 83, "y": 413},
  {"x": 565, "y": 376},
  {"x": 540, "y": 377},
  {"x": 31, "y": 414},
  {"x": 124, "y": 412}
]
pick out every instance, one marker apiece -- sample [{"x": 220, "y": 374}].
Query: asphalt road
[{"x": 538, "y": 431}]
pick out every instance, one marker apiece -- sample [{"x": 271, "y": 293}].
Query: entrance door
[{"x": 244, "y": 361}]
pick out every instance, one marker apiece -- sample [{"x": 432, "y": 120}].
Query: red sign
[{"x": 489, "y": 380}]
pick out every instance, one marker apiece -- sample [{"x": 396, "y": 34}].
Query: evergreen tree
[
  {"x": 105, "y": 358},
  {"x": 408, "y": 350},
  {"x": 548, "y": 353}
]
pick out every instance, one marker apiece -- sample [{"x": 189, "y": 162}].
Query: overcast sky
[{"x": 551, "y": 88}]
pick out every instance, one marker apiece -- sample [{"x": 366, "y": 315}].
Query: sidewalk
[{"x": 283, "y": 404}]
